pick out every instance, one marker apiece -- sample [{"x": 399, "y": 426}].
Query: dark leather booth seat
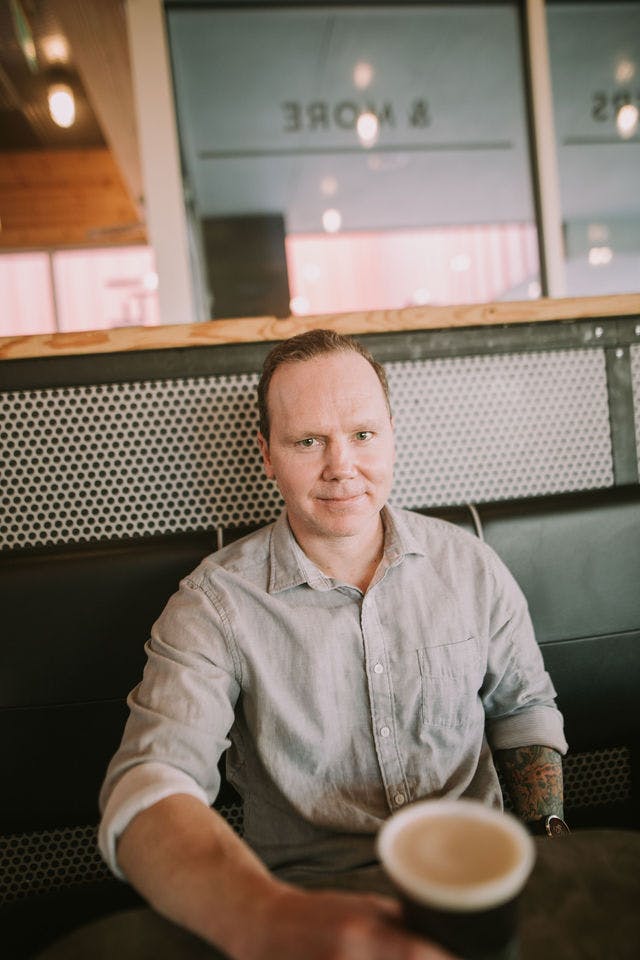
[
  {"x": 577, "y": 559},
  {"x": 75, "y": 620}
]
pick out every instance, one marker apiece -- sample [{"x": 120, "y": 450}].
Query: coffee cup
[{"x": 459, "y": 867}]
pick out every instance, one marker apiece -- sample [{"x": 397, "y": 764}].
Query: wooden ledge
[{"x": 262, "y": 329}]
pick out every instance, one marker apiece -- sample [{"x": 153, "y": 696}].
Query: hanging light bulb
[{"x": 62, "y": 104}]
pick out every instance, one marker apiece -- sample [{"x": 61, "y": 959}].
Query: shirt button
[
  {"x": 384, "y": 731},
  {"x": 398, "y": 799},
  {"x": 378, "y": 668}
]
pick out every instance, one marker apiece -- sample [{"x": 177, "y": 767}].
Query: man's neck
[{"x": 352, "y": 560}]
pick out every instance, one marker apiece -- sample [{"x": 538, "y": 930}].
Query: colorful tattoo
[{"x": 533, "y": 777}]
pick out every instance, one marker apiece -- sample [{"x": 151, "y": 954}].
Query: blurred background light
[
  {"x": 600, "y": 256},
  {"x": 627, "y": 120},
  {"x": 368, "y": 129},
  {"x": 362, "y": 74},
  {"x": 331, "y": 220},
  {"x": 328, "y": 186}
]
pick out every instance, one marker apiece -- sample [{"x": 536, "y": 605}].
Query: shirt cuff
[
  {"x": 139, "y": 788},
  {"x": 534, "y": 725}
]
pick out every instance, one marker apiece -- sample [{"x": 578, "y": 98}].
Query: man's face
[{"x": 331, "y": 447}]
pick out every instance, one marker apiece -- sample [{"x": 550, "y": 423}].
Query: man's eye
[
  {"x": 306, "y": 443},
  {"x": 364, "y": 435}
]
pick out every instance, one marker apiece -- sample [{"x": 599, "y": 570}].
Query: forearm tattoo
[{"x": 533, "y": 776}]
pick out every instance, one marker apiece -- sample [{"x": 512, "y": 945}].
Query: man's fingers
[
  {"x": 382, "y": 904},
  {"x": 336, "y": 925},
  {"x": 389, "y": 941},
  {"x": 375, "y": 932}
]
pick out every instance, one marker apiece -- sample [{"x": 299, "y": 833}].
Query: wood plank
[
  {"x": 56, "y": 198},
  {"x": 260, "y": 329}
]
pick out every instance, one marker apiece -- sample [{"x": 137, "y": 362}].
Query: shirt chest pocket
[{"x": 451, "y": 675}]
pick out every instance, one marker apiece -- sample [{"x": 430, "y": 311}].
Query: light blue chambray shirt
[{"x": 337, "y": 707}]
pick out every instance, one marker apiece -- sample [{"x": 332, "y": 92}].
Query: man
[{"x": 351, "y": 656}]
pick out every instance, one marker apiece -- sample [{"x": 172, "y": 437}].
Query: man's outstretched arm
[
  {"x": 533, "y": 776},
  {"x": 192, "y": 868}
]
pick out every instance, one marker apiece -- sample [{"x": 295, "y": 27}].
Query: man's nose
[{"x": 339, "y": 461}]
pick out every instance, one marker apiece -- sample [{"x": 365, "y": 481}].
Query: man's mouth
[{"x": 343, "y": 499}]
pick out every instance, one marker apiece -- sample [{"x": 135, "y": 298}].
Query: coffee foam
[{"x": 456, "y": 854}]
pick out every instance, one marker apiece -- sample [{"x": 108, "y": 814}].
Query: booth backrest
[{"x": 577, "y": 559}]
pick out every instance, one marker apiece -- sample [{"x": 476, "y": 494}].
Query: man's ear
[{"x": 266, "y": 459}]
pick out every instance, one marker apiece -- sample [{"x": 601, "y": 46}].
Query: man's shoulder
[
  {"x": 448, "y": 544},
  {"x": 441, "y": 539},
  {"x": 429, "y": 529}
]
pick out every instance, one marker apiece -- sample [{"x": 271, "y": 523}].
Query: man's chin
[
  {"x": 346, "y": 518},
  {"x": 335, "y": 519}
]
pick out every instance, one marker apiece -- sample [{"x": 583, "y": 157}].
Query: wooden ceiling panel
[
  {"x": 81, "y": 185},
  {"x": 65, "y": 198},
  {"x": 25, "y": 87}
]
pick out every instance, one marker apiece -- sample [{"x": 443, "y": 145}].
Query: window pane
[
  {"x": 379, "y": 271},
  {"x": 112, "y": 287},
  {"x": 383, "y": 138},
  {"x": 595, "y": 63},
  {"x": 26, "y": 305}
]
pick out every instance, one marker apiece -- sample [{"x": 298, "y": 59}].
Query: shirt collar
[
  {"x": 290, "y": 566},
  {"x": 399, "y": 539}
]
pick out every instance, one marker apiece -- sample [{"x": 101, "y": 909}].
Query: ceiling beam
[{"x": 97, "y": 34}]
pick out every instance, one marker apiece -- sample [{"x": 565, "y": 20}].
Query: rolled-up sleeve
[
  {"x": 179, "y": 715},
  {"x": 139, "y": 788},
  {"x": 518, "y": 694}
]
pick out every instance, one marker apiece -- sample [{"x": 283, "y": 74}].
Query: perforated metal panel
[
  {"x": 597, "y": 777},
  {"x": 131, "y": 459},
  {"x": 34, "y": 863},
  {"x": 494, "y": 427},
  {"x": 634, "y": 352}
]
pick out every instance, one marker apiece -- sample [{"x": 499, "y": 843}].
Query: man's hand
[
  {"x": 334, "y": 925},
  {"x": 194, "y": 870}
]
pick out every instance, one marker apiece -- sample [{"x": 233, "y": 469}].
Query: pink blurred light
[{"x": 378, "y": 271}]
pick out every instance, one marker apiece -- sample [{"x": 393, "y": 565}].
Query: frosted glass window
[
  {"x": 595, "y": 67},
  {"x": 370, "y": 131},
  {"x": 112, "y": 287},
  {"x": 26, "y": 303},
  {"x": 386, "y": 270}
]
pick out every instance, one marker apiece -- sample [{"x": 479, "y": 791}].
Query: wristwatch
[{"x": 549, "y": 826}]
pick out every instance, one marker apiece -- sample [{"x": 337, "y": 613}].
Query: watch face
[{"x": 556, "y": 827}]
